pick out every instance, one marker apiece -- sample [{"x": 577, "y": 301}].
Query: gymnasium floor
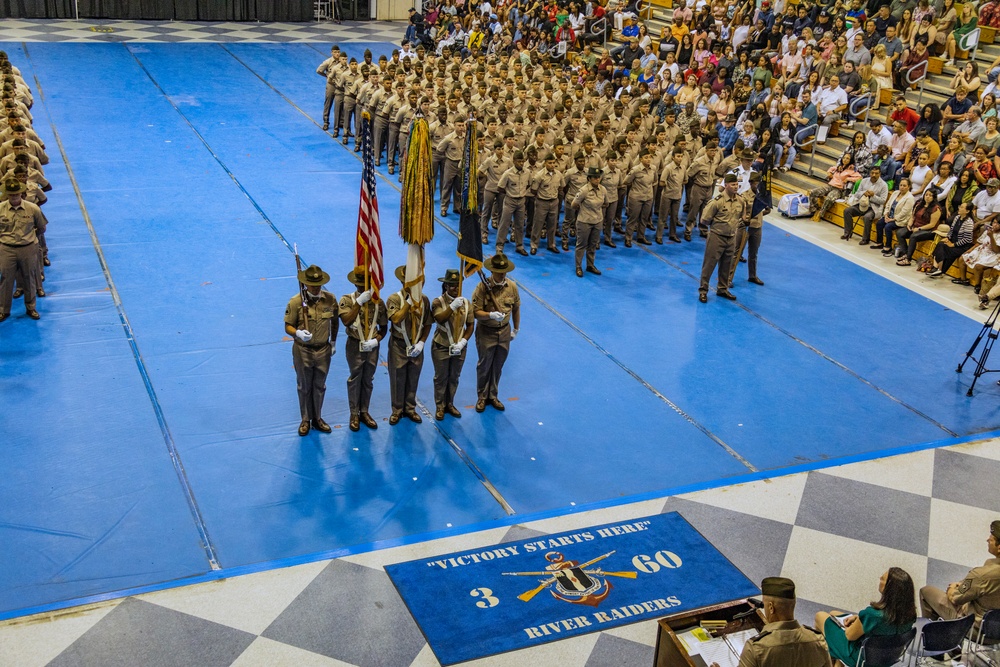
[{"x": 149, "y": 417}]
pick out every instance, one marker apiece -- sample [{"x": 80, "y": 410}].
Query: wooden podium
[{"x": 670, "y": 652}]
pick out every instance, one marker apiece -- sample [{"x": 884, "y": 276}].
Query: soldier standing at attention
[
  {"x": 312, "y": 319},
  {"x": 455, "y": 323},
  {"x": 783, "y": 642},
  {"x": 546, "y": 183},
  {"x": 364, "y": 318},
  {"x": 701, "y": 179},
  {"x": 640, "y": 200},
  {"x": 749, "y": 235},
  {"x": 328, "y": 70},
  {"x": 21, "y": 223},
  {"x": 497, "y": 306},
  {"x": 411, "y": 324},
  {"x": 514, "y": 184},
  {"x": 723, "y": 215},
  {"x": 589, "y": 203}
]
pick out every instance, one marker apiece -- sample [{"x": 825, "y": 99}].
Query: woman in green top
[
  {"x": 893, "y": 614},
  {"x": 966, "y": 23}
]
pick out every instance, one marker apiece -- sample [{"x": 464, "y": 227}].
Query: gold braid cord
[{"x": 416, "y": 211}]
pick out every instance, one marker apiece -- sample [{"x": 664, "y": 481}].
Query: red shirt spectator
[{"x": 907, "y": 115}]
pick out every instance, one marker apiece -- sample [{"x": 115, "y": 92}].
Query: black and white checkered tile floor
[
  {"x": 834, "y": 531},
  {"x": 43, "y": 30}
]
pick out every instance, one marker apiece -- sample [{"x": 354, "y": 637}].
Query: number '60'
[{"x": 647, "y": 565}]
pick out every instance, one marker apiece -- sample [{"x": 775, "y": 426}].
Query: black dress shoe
[
  {"x": 46, "y": 261},
  {"x": 336, "y": 133},
  {"x": 33, "y": 314},
  {"x": 413, "y": 416},
  {"x": 355, "y": 423},
  {"x": 321, "y": 425},
  {"x": 579, "y": 272},
  {"x": 756, "y": 281},
  {"x": 481, "y": 405},
  {"x": 497, "y": 405},
  {"x": 658, "y": 241},
  {"x": 534, "y": 251},
  {"x": 703, "y": 298},
  {"x": 727, "y": 295},
  {"x": 594, "y": 270},
  {"x": 453, "y": 411},
  {"x": 18, "y": 293},
  {"x": 4, "y": 316},
  {"x": 392, "y": 169},
  {"x": 553, "y": 249},
  {"x": 687, "y": 236},
  {"x": 521, "y": 251},
  {"x": 877, "y": 246},
  {"x": 862, "y": 242},
  {"x": 367, "y": 420},
  {"x": 610, "y": 243},
  {"x": 40, "y": 292},
  {"x": 643, "y": 240},
  {"x": 628, "y": 243},
  {"x": 439, "y": 413},
  {"x": 304, "y": 427},
  {"x": 394, "y": 418},
  {"x": 674, "y": 239},
  {"x": 326, "y": 126}
]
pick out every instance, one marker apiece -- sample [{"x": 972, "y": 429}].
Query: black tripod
[{"x": 991, "y": 334}]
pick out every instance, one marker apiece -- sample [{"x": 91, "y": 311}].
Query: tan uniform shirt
[
  {"x": 19, "y": 226},
  {"x": 371, "y": 317},
  {"x": 322, "y": 312},
  {"x": 786, "y": 644},
  {"x": 980, "y": 590},
  {"x": 515, "y": 183},
  {"x": 545, "y": 184},
  {"x": 723, "y": 214},
  {"x": 452, "y": 146},
  {"x": 702, "y": 171},
  {"x": 641, "y": 179},
  {"x": 612, "y": 180},
  {"x": 415, "y": 320},
  {"x": 573, "y": 181},
  {"x": 456, "y": 323},
  {"x": 591, "y": 201},
  {"x": 672, "y": 178},
  {"x": 326, "y": 69},
  {"x": 502, "y": 298},
  {"x": 756, "y": 221}
]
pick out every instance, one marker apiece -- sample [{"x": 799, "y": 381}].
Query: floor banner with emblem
[{"x": 481, "y": 602}]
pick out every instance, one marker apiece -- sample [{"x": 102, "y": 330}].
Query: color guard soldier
[
  {"x": 497, "y": 306},
  {"x": 365, "y": 320},
  {"x": 724, "y": 215},
  {"x": 590, "y": 203},
  {"x": 783, "y": 641},
  {"x": 313, "y": 324},
  {"x": 455, "y": 323},
  {"x": 411, "y": 324}
]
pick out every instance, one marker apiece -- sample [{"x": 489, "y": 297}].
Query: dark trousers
[
  {"x": 22, "y": 263},
  {"x": 719, "y": 251},
  {"x": 700, "y": 195},
  {"x": 915, "y": 238},
  {"x": 669, "y": 208},
  {"x": 546, "y": 216},
  {"x": 492, "y": 344},
  {"x": 404, "y": 374},
  {"x": 361, "y": 367},
  {"x": 447, "y": 370},
  {"x": 312, "y": 364},
  {"x": 588, "y": 238},
  {"x": 749, "y": 238},
  {"x": 851, "y": 214},
  {"x": 331, "y": 92}
]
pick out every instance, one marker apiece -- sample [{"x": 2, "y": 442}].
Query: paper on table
[
  {"x": 699, "y": 642},
  {"x": 737, "y": 640}
]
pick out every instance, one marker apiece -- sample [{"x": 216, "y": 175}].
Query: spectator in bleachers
[
  {"x": 876, "y": 191},
  {"x": 966, "y": 23},
  {"x": 955, "y": 242}
]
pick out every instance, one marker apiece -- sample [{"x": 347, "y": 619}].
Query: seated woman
[
  {"x": 982, "y": 258},
  {"x": 957, "y": 241},
  {"x": 784, "y": 143},
  {"x": 862, "y": 155},
  {"x": 981, "y": 166},
  {"x": 897, "y": 213},
  {"x": 954, "y": 154},
  {"x": 943, "y": 182},
  {"x": 968, "y": 76},
  {"x": 966, "y": 23},
  {"x": 989, "y": 14},
  {"x": 926, "y": 215},
  {"x": 840, "y": 178},
  {"x": 893, "y": 614},
  {"x": 921, "y": 174}
]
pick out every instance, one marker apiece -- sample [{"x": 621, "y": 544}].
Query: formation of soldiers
[
  {"x": 313, "y": 319},
  {"x": 564, "y": 154},
  {"x": 23, "y": 251}
]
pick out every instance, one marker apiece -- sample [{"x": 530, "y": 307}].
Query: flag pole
[{"x": 461, "y": 275}]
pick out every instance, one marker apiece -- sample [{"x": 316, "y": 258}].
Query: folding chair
[
  {"x": 989, "y": 630},
  {"x": 885, "y": 650},
  {"x": 940, "y": 637}
]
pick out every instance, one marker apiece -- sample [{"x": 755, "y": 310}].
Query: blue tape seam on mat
[
  {"x": 817, "y": 351},
  {"x": 168, "y": 438},
  {"x": 496, "y": 523},
  {"x": 701, "y": 427},
  {"x": 469, "y": 462}
]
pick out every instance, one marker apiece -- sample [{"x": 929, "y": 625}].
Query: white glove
[
  {"x": 457, "y": 303},
  {"x": 417, "y": 348},
  {"x": 364, "y": 297},
  {"x": 369, "y": 345},
  {"x": 496, "y": 316},
  {"x": 456, "y": 349},
  {"x": 303, "y": 335},
  {"x": 513, "y": 334},
  {"x": 334, "y": 350}
]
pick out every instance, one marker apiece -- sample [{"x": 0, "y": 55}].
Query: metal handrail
[
  {"x": 852, "y": 108},
  {"x": 970, "y": 42},
  {"x": 799, "y": 140},
  {"x": 910, "y": 80},
  {"x": 603, "y": 24}
]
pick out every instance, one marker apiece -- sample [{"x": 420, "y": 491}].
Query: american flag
[{"x": 369, "y": 247}]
